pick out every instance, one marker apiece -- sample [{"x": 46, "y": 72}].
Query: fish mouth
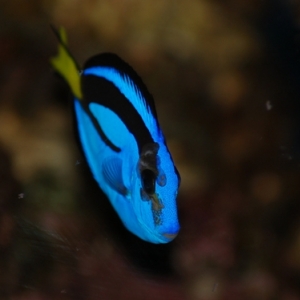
[
  {"x": 166, "y": 237},
  {"x": 170, "y": 236},
  {"x": 163, "y": 237}
]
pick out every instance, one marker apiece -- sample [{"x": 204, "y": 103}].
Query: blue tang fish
[{"x": 123, "y": 143}]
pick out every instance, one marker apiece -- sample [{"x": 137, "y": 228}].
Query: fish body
[{"x": 123, "y": 144}]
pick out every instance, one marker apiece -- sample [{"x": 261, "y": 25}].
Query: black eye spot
[{"x": 148, "y": 181}]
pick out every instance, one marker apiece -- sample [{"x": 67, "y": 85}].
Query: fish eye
[{"x": 148, "y": 181}]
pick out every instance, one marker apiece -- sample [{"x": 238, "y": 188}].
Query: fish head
[{"x": 156, "y": 187}]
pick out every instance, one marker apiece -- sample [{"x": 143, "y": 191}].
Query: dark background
[{"x": 225, "y": 76}]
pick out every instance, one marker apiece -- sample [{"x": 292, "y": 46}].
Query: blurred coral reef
[{"x": 226, "y": 79}]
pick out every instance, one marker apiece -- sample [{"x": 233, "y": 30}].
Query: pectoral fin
[{"x": 112, "y": 173}]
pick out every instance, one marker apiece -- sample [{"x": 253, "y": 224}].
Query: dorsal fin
[{"x": 66, "y": 65}]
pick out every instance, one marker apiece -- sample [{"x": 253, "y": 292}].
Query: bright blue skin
[{"x": 135, "y": 213}]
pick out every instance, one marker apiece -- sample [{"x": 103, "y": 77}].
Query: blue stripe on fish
[
  {"x": 101, "y": 91},
  {"x": 129, "y": 76}
]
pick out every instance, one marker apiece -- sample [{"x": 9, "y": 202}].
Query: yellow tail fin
[{"x": 66, "y": 66}]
